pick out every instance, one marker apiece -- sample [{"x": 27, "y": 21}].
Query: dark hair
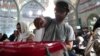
[
  {"x": 96, "y": 25},
  {"x": 18, "y": 23},
  {"x": 4, "y": 36},
  {"x": 62, "y": 5},
  {"x": 84, "y": 27}
]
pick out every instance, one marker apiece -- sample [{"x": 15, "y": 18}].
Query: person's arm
[
  {"x": 30, "y": 38},
  {"x": 41, "y": 22},
  {"x": 69, "y": 45},
  {"x": 70, "y": 36}
]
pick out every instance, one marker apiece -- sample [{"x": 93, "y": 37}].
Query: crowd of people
[{"x": 59, "y": 30}]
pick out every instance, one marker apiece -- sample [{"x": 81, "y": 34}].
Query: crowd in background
[{"x": 86, "y": 43}]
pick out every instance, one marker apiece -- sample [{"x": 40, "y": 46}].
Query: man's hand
[{"x": 39, "y": 22}]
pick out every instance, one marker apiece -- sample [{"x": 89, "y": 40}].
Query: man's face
[
  {"x": 60, "y": 14},
  {"x": 19, "y": 28}
]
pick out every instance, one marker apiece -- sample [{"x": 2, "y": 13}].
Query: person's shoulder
[
  {"x": 97, "y": 31},
  {"x": 47, "y": 17},
  {"x": 50, "y": 20},
  {"x": 67, "y": 25},
  {"x": 12, "y": 35},
  {"x": 98, "y": 28}
]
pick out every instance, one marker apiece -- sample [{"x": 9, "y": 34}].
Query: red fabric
[{"x": 28, "y": 49}]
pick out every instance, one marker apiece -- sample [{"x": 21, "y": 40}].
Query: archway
[{"x": 8, "y": 16}]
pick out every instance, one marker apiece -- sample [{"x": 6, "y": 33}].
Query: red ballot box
[
  {"x": 1, "y": 48},
  {"x": 30, "y": 49}
]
